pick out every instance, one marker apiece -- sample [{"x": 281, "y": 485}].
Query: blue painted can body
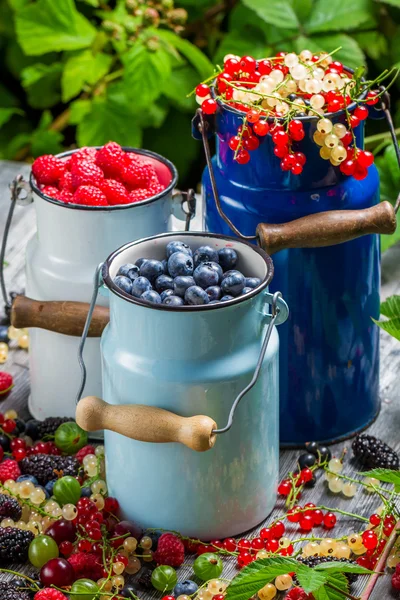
[
  {"x": 329, "y": 350},
  {"x": 193, "y": 362}
]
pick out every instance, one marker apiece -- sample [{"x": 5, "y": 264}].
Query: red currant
[
  {"x": 231, "y": 66},
  {"x": 372, "y": 98},
  {"x": 280, "y": 55},
  {"x": 19, "y": 454},
  {"x": 9, "y": 425},
  {"x": 216, "y": 544},
  {"x": 306, "y": 522},
  {"x": 337, "y": 65},
  {"x": 223, "y": 78},
  {"x": 294, "y": 515},
  {"x": 251, "y": 143},
  {"x": 272, "y": 545},
  {"x": 281, "y": 152},
  {"x": 229, "y": 93},
  {"x": 265, "y": 533},
  {"x": 370, "y": 540},
  {"x": 318, "y": 517},
  {"x": 209, "y": 106},
  {"x": 261, "y": 128},
  {"x": 306, "y": 474},
  {"x": 364, "y": 561},
  {"x": 354, "y": 121},
  {"x": 347, "y": 139},
  {"x": 168, "y": 598},
  {"x": 347, "y": 167},
  {"x": 248, "y": 64},
  {"x": 295, "y": 126},
  {"x": 17, "y": 443},
  {"x": 66, "y": 548},
  {"x": 244, "y": 559},
  {"x": 257, "y": 544},
  {"x": 361, "y": 112},
  {"x": 202, "y": 90},
  {"x": 365, "y": 158},
  {"x": 111, "y": 505},
  {"x": 300, "y": 158},
  {"x": 297, "y": 136},
  {"x": 230, "y": 545},
  {"x": 375, "y": 519},
  {"x": 234, "y": 142},
  {"x": 265, "y": 67},
  {"x": 330, "y": 520},
  {"x": 287, "y": 551},
  {"x": 297, "y": 169},
  {"x": 253, "y": 115},
  {"x": 278, "y": 530},
  {"x": 360, "y": 172},
  {"x": 284, "y": 488},
  {"x": 280, "y": 138},
  {"x": 244, "y": 544},
  {"x": 243, "y": 157},
  {"x": 84, "y": 546}
]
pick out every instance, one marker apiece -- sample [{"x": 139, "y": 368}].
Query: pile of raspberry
[{"x": 105, "y": 177}]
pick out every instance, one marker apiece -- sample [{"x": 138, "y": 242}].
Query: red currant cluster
[
  {"x": 310, "y": 517},
  {"x": 274, "y": 94}
]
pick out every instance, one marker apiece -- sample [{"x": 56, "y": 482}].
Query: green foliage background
[{"x": 82, "y": 72}]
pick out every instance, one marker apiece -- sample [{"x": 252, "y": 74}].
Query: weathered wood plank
[{"x": 386, "y": 426}]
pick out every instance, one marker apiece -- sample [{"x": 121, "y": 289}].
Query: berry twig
[{"x": 380, "y": 567}]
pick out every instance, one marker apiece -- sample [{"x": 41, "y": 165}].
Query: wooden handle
[
  {"x": 146, "y": 423},
  {"x": 62, "y": 317},
  {"x": 327, "y": 228}
]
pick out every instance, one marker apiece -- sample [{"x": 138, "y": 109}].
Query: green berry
[
  {"x": 67, "y": 490},
  {"x": 84, "y": 589},
  {"x": 208, "y": 566},
  {"x": 164, "y": 578},
  {"x": 70, "y": 438},
  {"x": 42, "y": 549}
]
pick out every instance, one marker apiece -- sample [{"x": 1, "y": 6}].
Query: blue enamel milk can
[
  {"x": 163, "y": 368},
  {"x": 329, "y": 353}
]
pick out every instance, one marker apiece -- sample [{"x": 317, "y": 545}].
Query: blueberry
[
  {"x": 252, "y": 282},
  {"x": 177, "y": 246},
  {"x": 324, "y": 453},
  {"x": 130, "y": 590},
  {"x": 86, "y": 492},
  {"x": 32, "y": 429},
  {"x": 205, "y": 254},
  {"x": 164, "y": 282},
  {"x": 46, "y": 493},
  {"x": 173, "y": 301},
  {"x": 226, "y": 298},
  {"x": 165, "y": 294},
  {"x": 151, "y": 269},
  {"x": 205, "y": 276},
  {"x": 312, "y": 447},
  {"x": 5, "y": 442},
  {"x": 180, "y": 263},
  {"x": 140, "y": 261},
  {"x": 165, "y": 266},
  {"x": 227, "y": 258},
  {"x": 187, "y": 588},
  {"x": 306, "y": 460},
  {"x": 129, "y": 270},
  {"x": 49, "y": 487},
  {"x": 20, "y": 426},
  {"x": 182, "y": 283},
  {"x": 151, "y": 296},
  {"x": 140, "y": 285},
  {"x": 28, "y": 478},
  {"x": 214, "y": 302},
  {"x": 196, "y": 295},
  {"x": 245, "y": 291},
  {"x": 233, "y": 284},
  {"x": 124, "y": 283},
  {"x": 217, "y": 268},
  {"x": 214, "y": 292},
  {"x": 4, "y": 333}
]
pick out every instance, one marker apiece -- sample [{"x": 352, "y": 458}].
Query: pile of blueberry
[{"x": 205, "y": 276}]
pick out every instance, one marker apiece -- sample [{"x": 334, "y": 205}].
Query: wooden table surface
[{"x": 387, "y": 426}]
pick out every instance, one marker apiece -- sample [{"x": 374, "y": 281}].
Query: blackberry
[
  {"x": 8, "y": 591},
  {"x": 14, "y": 544},
  {"x": 46, "y": 467},
  {"x": 10, "y": 508},
  {"x": 313, "y": 561},
  {"x": 144, "y": 580},
  {"x": 50, "y": 425},
  {"x": 373, "y": 453}
]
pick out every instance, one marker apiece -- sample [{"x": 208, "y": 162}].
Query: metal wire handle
[
  {"x": 274, "y": 315},
  {"x": 385, "y": 106},
  {"x": 16, "y": 187}
]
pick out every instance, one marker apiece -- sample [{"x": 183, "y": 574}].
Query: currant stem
[{"x": 21, "y": 575}]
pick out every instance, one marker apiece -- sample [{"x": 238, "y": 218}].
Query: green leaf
[
  {"x": 311, "y": 579},
  {"x": 302, "y": 8},
  {"x": 46, "y": 142},
  {"x": 42, "y": 84},
  {"x": 373, "y": 43},
  {"x": 390, "y": 309},
  {"x": 339, "y": 567},
  {"x": 48, "y": 26},
  {"x": 338, "y": 15},
  {"x": 83, "y": 68},
  {"x": 110, "y": 118},
  {"x": 182, "y": 81},
  {"x": 391, "y": 2},
  {"x": 325, "y": 592},
  {"x": 256, "y": 575},
  {"x": 145, "y": 73},
  {"x": 79, "y": 110},
  {"x": 94, "y": 3},
  {"x": 192, "y": 54},
  {"x": 276, "y": 12},
  {"x": 7, "y": 113},
  {"x": 248, "y": 41},
  {"x": 350, "y": 53}
]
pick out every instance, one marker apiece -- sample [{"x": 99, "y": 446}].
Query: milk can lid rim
[{"x": 188, "y": 308}]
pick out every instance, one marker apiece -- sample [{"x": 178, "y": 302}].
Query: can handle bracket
[{"x": 184, "y": 202}]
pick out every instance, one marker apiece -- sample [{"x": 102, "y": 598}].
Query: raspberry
[
  {"x": 155, "y": 188},
  {"x": 48, "y": 169},
  {"x": 86, "y": 173},
  {"x": 6, "y": 383},
  {"x": 115, "y": 192},
  {"x": 9, "y": 469},
  {"x": 137, "y": 174},
  {"x": 85, "y": 153},
  {"x": 50, "y": 190},
  {"x": 297, "y": 593},
  {"x": 65, "y": 196},
  {"x": 110, "y": 159},
  {"x": 66, "y": 182},
  {"x": 90, "y": 195},
  {"x": 49, "y": 594},
  {"x": 86, "y": 565},
  {"x": 80, "y": 455},
  {"x": 396, "y": 581},
  {"x": 170, "y": 551}
]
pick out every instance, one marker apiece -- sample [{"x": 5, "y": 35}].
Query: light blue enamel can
[{"x": 194, "y": 360}]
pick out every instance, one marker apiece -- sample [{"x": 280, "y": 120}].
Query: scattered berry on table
[
  {"x": 9, "y": 469},
  {"x": 50, "y": 594},
  {"x": 14, "y": 544},
  {"x": 6, "y": 383},
  {"x": 373, "y": 453},
  {"x": 8, "y": 591},
  {"x": 50, "y": 425},
  {"x": 170, "y": 551},
  {"x": 45, "y": 467},
  {"x": 10, "y": 508}
]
